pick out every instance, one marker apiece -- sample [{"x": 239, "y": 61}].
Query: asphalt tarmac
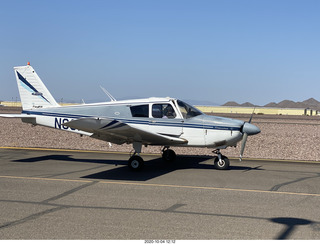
[{"x": 56, "y": 194}]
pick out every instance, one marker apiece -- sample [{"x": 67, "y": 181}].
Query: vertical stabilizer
[{"x": 33, "y": 92}]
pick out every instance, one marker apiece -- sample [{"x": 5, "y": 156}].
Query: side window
[
  {"x": 140, "y": 111},
  {"x": 163, "y": 111}
]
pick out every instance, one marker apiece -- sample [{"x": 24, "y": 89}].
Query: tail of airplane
[{"x": 33, "y": 92}]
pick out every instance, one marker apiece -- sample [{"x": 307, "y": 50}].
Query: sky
[{"x": 213, "y": 51}]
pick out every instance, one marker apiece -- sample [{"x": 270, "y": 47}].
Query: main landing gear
[
  {"x": 221, "y": 162},
  {"x": 168, "y": 155},
  {"x": 136, "y": 162}
]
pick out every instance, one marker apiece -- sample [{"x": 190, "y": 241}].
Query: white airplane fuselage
[{"x": 197, "y": 130}]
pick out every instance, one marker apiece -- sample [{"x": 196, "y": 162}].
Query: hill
[
  {"x": 235, "y": 104},
  {"x": 309, "y": 103}
]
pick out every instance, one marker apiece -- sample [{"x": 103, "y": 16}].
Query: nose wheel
[{"x": 221, "y": 162}]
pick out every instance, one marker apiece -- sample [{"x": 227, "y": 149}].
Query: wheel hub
[
  {"x": 221, "y": 163},
  {"x": 135, "y": 164}
]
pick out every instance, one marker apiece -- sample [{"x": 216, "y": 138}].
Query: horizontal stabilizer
[
  {"x": 21, "y": 116},
  {"x": 24, "y": 117}
]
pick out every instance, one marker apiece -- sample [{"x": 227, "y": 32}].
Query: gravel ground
[{"x": 281, "y": 137}]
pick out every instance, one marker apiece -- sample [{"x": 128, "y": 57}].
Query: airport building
[{"x": 258, "y": 110}]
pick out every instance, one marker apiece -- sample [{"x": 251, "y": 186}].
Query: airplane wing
[{"x": 119, "y": 132}]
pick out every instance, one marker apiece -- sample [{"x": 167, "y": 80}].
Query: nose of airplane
[{"x": 250, "y": 129}]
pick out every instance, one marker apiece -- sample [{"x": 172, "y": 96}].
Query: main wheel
[
  {"x": 169, "y": 155},
  {"x": 135, "y": 163},
  {"x": 223, "y": 164}
]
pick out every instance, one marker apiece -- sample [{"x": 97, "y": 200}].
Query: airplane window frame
[
  {"x": 161, "y": 111},
  {"x": 140, "y": 111},
  {"x": 189, "y": 111}
]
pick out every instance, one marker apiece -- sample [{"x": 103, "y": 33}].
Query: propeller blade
[
  {"x": 251, "y": 116},
  {"x": 243, "y": 145},
  {"x": 247, "y": 129}
]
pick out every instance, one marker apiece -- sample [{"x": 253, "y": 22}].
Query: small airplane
[{"x": 166, "y": 122}]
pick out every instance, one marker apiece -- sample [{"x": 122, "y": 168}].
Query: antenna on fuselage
[{"x": 108, "y": 94}]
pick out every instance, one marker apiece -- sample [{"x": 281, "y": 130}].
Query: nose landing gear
[{"x": 221, "y": 162}]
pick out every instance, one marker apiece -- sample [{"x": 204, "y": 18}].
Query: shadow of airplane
[
  {"x": 156, "y": 167},
  {"x": 153, "y": 168},
  {"x": 69, "y": 158}
]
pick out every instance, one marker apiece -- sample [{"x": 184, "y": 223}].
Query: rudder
[{"x": 33, "y": 93}]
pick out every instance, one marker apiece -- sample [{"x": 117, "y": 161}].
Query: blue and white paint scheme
[{"x": 152, "y": 121}]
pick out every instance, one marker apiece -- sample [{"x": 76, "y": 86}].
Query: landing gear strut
[
  {"x": 136, "y": 162},
  {"x": 221, "y": 162}
]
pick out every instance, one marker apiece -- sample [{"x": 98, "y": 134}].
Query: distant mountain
[
  {"x": 231, "y": 104},
  {"x": 247, "y": 104},
  {"x": 312, "y": 102},
  {"x": 235, "y": 104},
  {"x": 288, "y": 104},
  {"x": 309, "y": 103},
  {"x": 271, "y": 105}
]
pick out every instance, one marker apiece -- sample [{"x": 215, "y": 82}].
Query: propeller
[
  {"x": 243, "y": 144},
  {"x": 247, "y": 129}
]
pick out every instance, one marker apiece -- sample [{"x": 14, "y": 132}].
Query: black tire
[
  {"x": 169, "y": 155},
  {"x": 135, "y": 163},
  {"x": 223, "y": 165}
]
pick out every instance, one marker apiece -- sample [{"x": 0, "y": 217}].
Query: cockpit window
[
  {"x": 163, "y": 111},
  {"x": 140, "y": 111},
  {"x": 187, "y": 110}
]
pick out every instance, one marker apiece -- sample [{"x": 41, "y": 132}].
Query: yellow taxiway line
[
  {"x": 165, "y": 186},
  {"x": 148, "y": 154}
]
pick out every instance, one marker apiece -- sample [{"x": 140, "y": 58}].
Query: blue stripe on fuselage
[{"x": 140, "y": 122}]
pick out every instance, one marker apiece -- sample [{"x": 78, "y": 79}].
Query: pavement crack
[
  {"x": 277, "y": 187},
  {"x": 67, "y": 173},
  {"x": 31, "y": 217},
  {"x": 64, "y": 194}
]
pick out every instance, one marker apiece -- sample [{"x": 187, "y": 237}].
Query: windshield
[{"x": 187, "y": 110}]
